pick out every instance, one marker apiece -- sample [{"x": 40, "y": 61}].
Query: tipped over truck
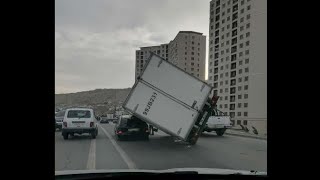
[{"x": 171, "y": 100}]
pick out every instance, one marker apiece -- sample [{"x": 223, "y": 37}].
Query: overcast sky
[{"x": 96, "y": 40}]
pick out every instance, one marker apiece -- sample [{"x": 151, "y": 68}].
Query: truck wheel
[
  {"x": 94, "y": 134},
  {"x": 220, "y": 132},
  {"x": 65, "y": 135}
]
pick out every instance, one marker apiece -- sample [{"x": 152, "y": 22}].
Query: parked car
[
  {"x": 59, "y": 118},
  {"x": 79, "y": 121},
  {"x": 131, "y": 126}
]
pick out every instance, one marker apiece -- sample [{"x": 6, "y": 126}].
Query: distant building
[{"x": 187, "y": 51}]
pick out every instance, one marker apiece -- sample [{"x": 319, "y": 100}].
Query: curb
[{"x": 241, "y": 135}]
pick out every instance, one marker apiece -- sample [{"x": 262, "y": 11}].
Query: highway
[{"x": 160, "y": 152}]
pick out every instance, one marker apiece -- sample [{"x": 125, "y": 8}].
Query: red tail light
[
  {"x": 65, "y": 124},
  {"x": 91, "y": 124},
  {"x": 119, "y": 132}
]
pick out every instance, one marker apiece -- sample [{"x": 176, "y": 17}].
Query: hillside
[{"x": 100, "y": 99}]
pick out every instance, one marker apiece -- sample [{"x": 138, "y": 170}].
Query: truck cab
[{"x": 218, "y": 122}]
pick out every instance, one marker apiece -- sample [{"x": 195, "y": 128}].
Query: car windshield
[
  {"x": 79, "y": 114},
  {"x": 163, "y": 84}
]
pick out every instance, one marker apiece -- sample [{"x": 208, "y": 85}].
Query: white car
[
  {"x": 79, "y": 121},
  {"x": 219, "y": 122}
]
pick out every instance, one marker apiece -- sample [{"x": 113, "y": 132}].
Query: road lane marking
[
  {"x": 125, "y": 157},
  {"x": 91, "y": 163}
]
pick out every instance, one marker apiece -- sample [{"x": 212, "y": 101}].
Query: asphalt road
[{"x": 160, "y": 152}]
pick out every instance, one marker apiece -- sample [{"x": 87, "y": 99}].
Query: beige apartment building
[
  {"x": 238, "y": 60},
  {"x": 187, "y": 51}
]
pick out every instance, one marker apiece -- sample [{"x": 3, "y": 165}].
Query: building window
[
  {"x": 241, "y": 36},
  {"x": 247, "y": 43},
  {"x": 233, "y": 57},
  {"x": 245, "y": 96},
  {"x": 233, "y": 49},
  {"x": 246, "y": 78},
  {"x": 240, "y": 71},
  {"x": 228, "y": 10},
  {"x": 223, "y": 13},
  {"x": 223, "y": 21},
  {"x": 233, "y": 82},
  {"x": 247, "y": 34},
  {"x": 221, "y": 68},
  {"x": 240, "y": 63},
  {"x": 215, "y": 78},
  {"x": 238, "y": 122},
  {"x": 228, "y": 34},
  {"x": 217, "y": 18},
  {"x": 248, "y": 25},
  {"x": 246, "y": 87},
  {"x": 245, "y": 122},
  {"x": 234, "y": 41},
  {"x": 234, "y": 24},
  {"x": 216, "y": 63},
  {"x": 227, "y": 42},
  {"x": 240, "y": 54},
  {"x": 221, "y": 75},
  {"x": 221, "y": 83},
  {"x": 241, "y": 45},
  {"x": 228, "y": 19},
  {"x": 226, "y": 98},
  {"x": 227, "y": 58},
  {"x": 216, "y": 41},
  {"x": 239, "y": 106},
  {"x": 222, "y": 29},
  {"x": 239, "y": 88},
  {"x": 216, "y": 55},
  {"x": 245, "y": 105},
  {"x": 222, "y": 37},
  {"x": 198, "y": 65},
  {"x": 227, "y": 66},
  {"x": 233, "y": 74},
  {"x": 220, "y": 91},
  {"x": 192, "y": 58},
  {"x": 232, "y": 106},
  {"x": 240, "y": 79},
  {"x": 226, "y": 106},
  {"x": 234, "y": 16},
  {"x": 221, "y": 59},
  {"x": 226, "y": 90},
  {"x": 215, "y": 70},
  {"x": 226, "y": 74},
  {"x": 241, "y": 28},
  {"x": 227, "y": 50},
  {"x": 247, "y": 52},
  {"x": 235, "y": 8},
  {"x": 245, "y": 114},
  {"x": 210, "y": 77},
  {"x": 233, "y": 65},
  {"x": 246, "y": 70},
  {"x": 239, "y": 96},
  {"x": 217, "y": 25},
  {"x": 246, "y": 61},
  {"x": 220, "y": 106},
  {"x": 239, "y": 113},
  {"x": 226, "y": 82},
  {"x": 232, "y": 90},
  {"x": 248, "y": 7},
  {"x": 234, "y": 32},
  {"x": 248, "y": 16},
  {"x": 217, "y": 33},
  {"x": 222, "y": 44}
]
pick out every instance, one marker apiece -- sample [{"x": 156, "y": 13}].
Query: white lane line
[
  {"x": 124, "y": 155},
  {"x": 91, "y": 163}
]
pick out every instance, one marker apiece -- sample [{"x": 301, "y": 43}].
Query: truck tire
[
  {"x": 94, "y": 134},
  {"x": 65, "y": 136},
  {"x": 220, "y": 132}
]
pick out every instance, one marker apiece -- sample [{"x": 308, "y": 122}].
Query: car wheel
[{"x": 65, "y": 135}]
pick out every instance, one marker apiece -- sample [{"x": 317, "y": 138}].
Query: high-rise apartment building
[
  {"x": 187, "y": 51},
  {"x": 237, "y": 66}
]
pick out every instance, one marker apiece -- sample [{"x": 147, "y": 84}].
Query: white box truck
[{"x": 170, "y": 99}]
